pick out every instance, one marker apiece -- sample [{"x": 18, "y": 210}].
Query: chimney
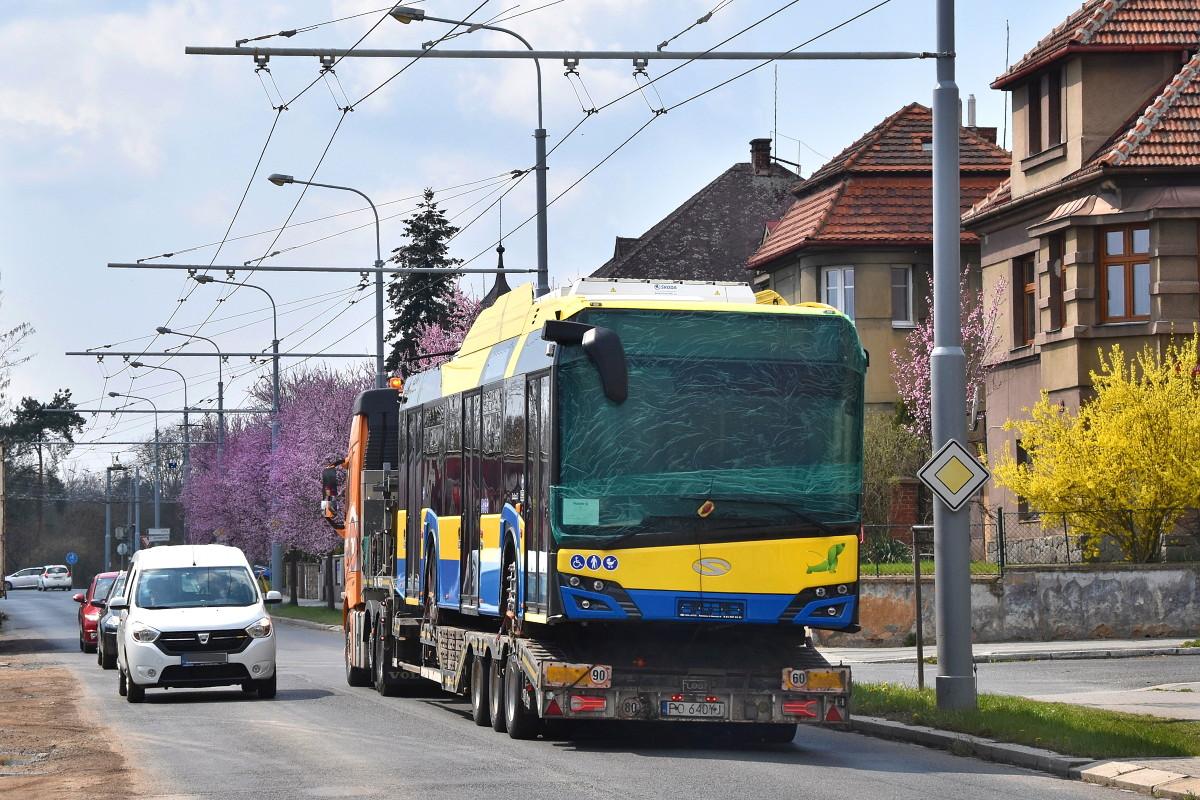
[
  {"x": 760, "y": 156},
  {"x": 970, "y": 111}
]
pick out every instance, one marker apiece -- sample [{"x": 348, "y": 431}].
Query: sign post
[{"x": 71, "y": 558}]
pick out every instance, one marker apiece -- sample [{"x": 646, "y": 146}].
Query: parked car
[
  {"x": 193, "y": 617},
  {"x": 23, "y": 578},
  {"x": 54, "y": 576},
  {"x": 106, "y": 638},
  {"x": 91, "y": 606}
]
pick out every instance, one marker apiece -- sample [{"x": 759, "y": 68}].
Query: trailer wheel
[
  {"x": 496, "y": 694},
  {"x": 355, "y": 676},
  {"x": 520, "y": 719},
  {"x": 480, "y": 696}
]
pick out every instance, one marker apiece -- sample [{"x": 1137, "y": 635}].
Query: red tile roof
[
  {"x": 897, "y": 144},
  {"x": 1129, "y": 25},
  {"x": 1166, "y": 135},
  {"x": 865, "y": 210},
  {"x": 879, "y": 190}
]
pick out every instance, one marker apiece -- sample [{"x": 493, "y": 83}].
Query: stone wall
[{"x": 1040, "y": 604}]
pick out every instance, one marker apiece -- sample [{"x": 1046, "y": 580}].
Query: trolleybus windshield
[{"x": 736, "y": 425}]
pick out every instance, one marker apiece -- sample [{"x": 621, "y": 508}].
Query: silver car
[{"x": 23, "y": 578}]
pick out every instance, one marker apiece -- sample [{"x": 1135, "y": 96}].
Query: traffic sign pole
[{"x": 952, "y": 540}]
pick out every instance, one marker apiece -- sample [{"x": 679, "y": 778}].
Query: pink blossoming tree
[{"x": 980, "y": 336}]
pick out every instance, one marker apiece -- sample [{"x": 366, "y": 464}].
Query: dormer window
[{"x": 1043, "y": 108}]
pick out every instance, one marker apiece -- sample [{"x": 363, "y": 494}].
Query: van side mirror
[
  {"x": 78, "y": 597},
  {"x": 118, "y": 604},
  {"x": 272, "y": 597},
  {"x": 603, "y": 348}
]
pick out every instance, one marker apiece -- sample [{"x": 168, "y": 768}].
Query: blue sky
[{"x": 116, "y": 146}]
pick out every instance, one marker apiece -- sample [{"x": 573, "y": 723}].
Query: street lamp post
[
  {"x": 203, "y": 279},
  {"x": 157, "y": 459},
  {"x": 108, "y": 471},
  {"x": 187, "y": 430},
  {"x": 380, "y": 379},
  {"x": 220, "y": 385},
  {"x": 406, "y": 15},
  {"x": 276, "y": 547}
]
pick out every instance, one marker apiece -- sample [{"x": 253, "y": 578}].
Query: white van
[{"x": 193, "y": 616}]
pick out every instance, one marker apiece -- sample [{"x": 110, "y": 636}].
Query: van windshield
[{"x": 195, "y": 587}]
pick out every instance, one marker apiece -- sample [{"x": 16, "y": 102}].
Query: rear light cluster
[
  {"x": 588, "y": 703},
  {"x": 810, "y": 708}
]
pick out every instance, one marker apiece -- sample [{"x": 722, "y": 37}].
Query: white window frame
[
  {"x": 909, "y": 320},
  {"x": 838, "y": 300}
]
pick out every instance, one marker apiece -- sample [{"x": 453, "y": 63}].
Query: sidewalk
[
  {"x": 1158, "y": 777},
  {"x": 1019, "y": 651}
]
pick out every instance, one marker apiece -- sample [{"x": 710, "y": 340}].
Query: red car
[{"x": 89, "y": 611}]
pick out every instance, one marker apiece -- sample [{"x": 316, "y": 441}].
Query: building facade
[
  {"x": 859, "y": 234},
  {"x": 1094, "y": 238}
]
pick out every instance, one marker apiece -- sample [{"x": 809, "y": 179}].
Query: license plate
[
  {"x": 814, "y": 680},
  {"x": 695, "y": 710},
  {"x": 193, "y": 659}
]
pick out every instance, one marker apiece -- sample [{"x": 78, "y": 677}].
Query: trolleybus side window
[
  {"x": 431, "y": 494},
  {"x": 490, "y": 502},
  {"x": 452, "y": 492},
  {"x": 514, "y": 441}
]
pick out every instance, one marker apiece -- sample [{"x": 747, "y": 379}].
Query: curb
[
  {"x": 965, "y": 744},
  {"x": 1057, "y": 655},
  {"x": 304, "y": 623}
]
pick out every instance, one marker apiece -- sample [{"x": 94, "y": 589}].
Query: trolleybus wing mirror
[{"x": 603, "y": 348}]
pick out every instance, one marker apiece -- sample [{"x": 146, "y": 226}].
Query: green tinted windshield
[{"x": 761, "y": 414}]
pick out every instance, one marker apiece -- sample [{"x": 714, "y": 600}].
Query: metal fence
[
  {"x": 889, "y": 550},
  {"x": 1002, "y": 539}
]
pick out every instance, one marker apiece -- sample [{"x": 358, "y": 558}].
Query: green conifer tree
[{"x": 420, "y": 299}]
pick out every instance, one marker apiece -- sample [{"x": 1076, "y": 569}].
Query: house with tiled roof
[
  {"x": 710, "y": 236},
  {"x": 1094, "y": 239},
  {"x": 859, "y": 234}
]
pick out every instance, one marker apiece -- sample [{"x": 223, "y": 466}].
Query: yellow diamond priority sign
[{"x": 953, "y": 474}]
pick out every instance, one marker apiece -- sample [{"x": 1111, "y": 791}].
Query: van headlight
[
  {"x": 260, "y": 629},
  {"x": 142, "y": 632}
]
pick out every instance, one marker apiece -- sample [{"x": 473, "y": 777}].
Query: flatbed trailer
[{"x": 770, "y": 680}]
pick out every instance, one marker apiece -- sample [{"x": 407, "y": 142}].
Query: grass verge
[
  {"x": 1063, "y": 728},
  {"x": 906, "y": 568},
  {"x": 311, "y": 613},
  {"x": 1192, "y": 643}
]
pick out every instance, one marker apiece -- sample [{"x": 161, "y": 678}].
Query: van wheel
[
  {"x": 496, "y": 694},
  {"x": 480, "y": 696},
  {"x": 249, "y": 687},
  {"x": 521, "y": 721},
  {"x": 266, "y": 688},
  {"x": 133, "y": 692},
  {"x": 108, "y": 660},
  {"x": 122, "y": 687}
]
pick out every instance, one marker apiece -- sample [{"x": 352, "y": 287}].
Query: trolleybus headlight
[
  {"x": 585, "y": 603},
  {"x": 573, "y": 580},
  {"x": 820, "y": 591},
  {"x": 833, "y": 611},
  {"x": 598, "y": 586},
  {"x": 842, "y": 589}
]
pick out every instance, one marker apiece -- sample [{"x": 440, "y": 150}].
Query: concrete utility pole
[
  {"x": 187, "y": 428},
  {"x": 380, "y": 377},
  {"x": 952, "y": 534},
  {"x": 157, "y": 456},
  {"x": 108, "y": 471},
  {"x": 136, "y": 544},
  {"x": 405, "y": 14},
  {"x": 163, "y": 331}
]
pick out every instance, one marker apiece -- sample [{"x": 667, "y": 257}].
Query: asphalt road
[{"x": 320, "y": 738}]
